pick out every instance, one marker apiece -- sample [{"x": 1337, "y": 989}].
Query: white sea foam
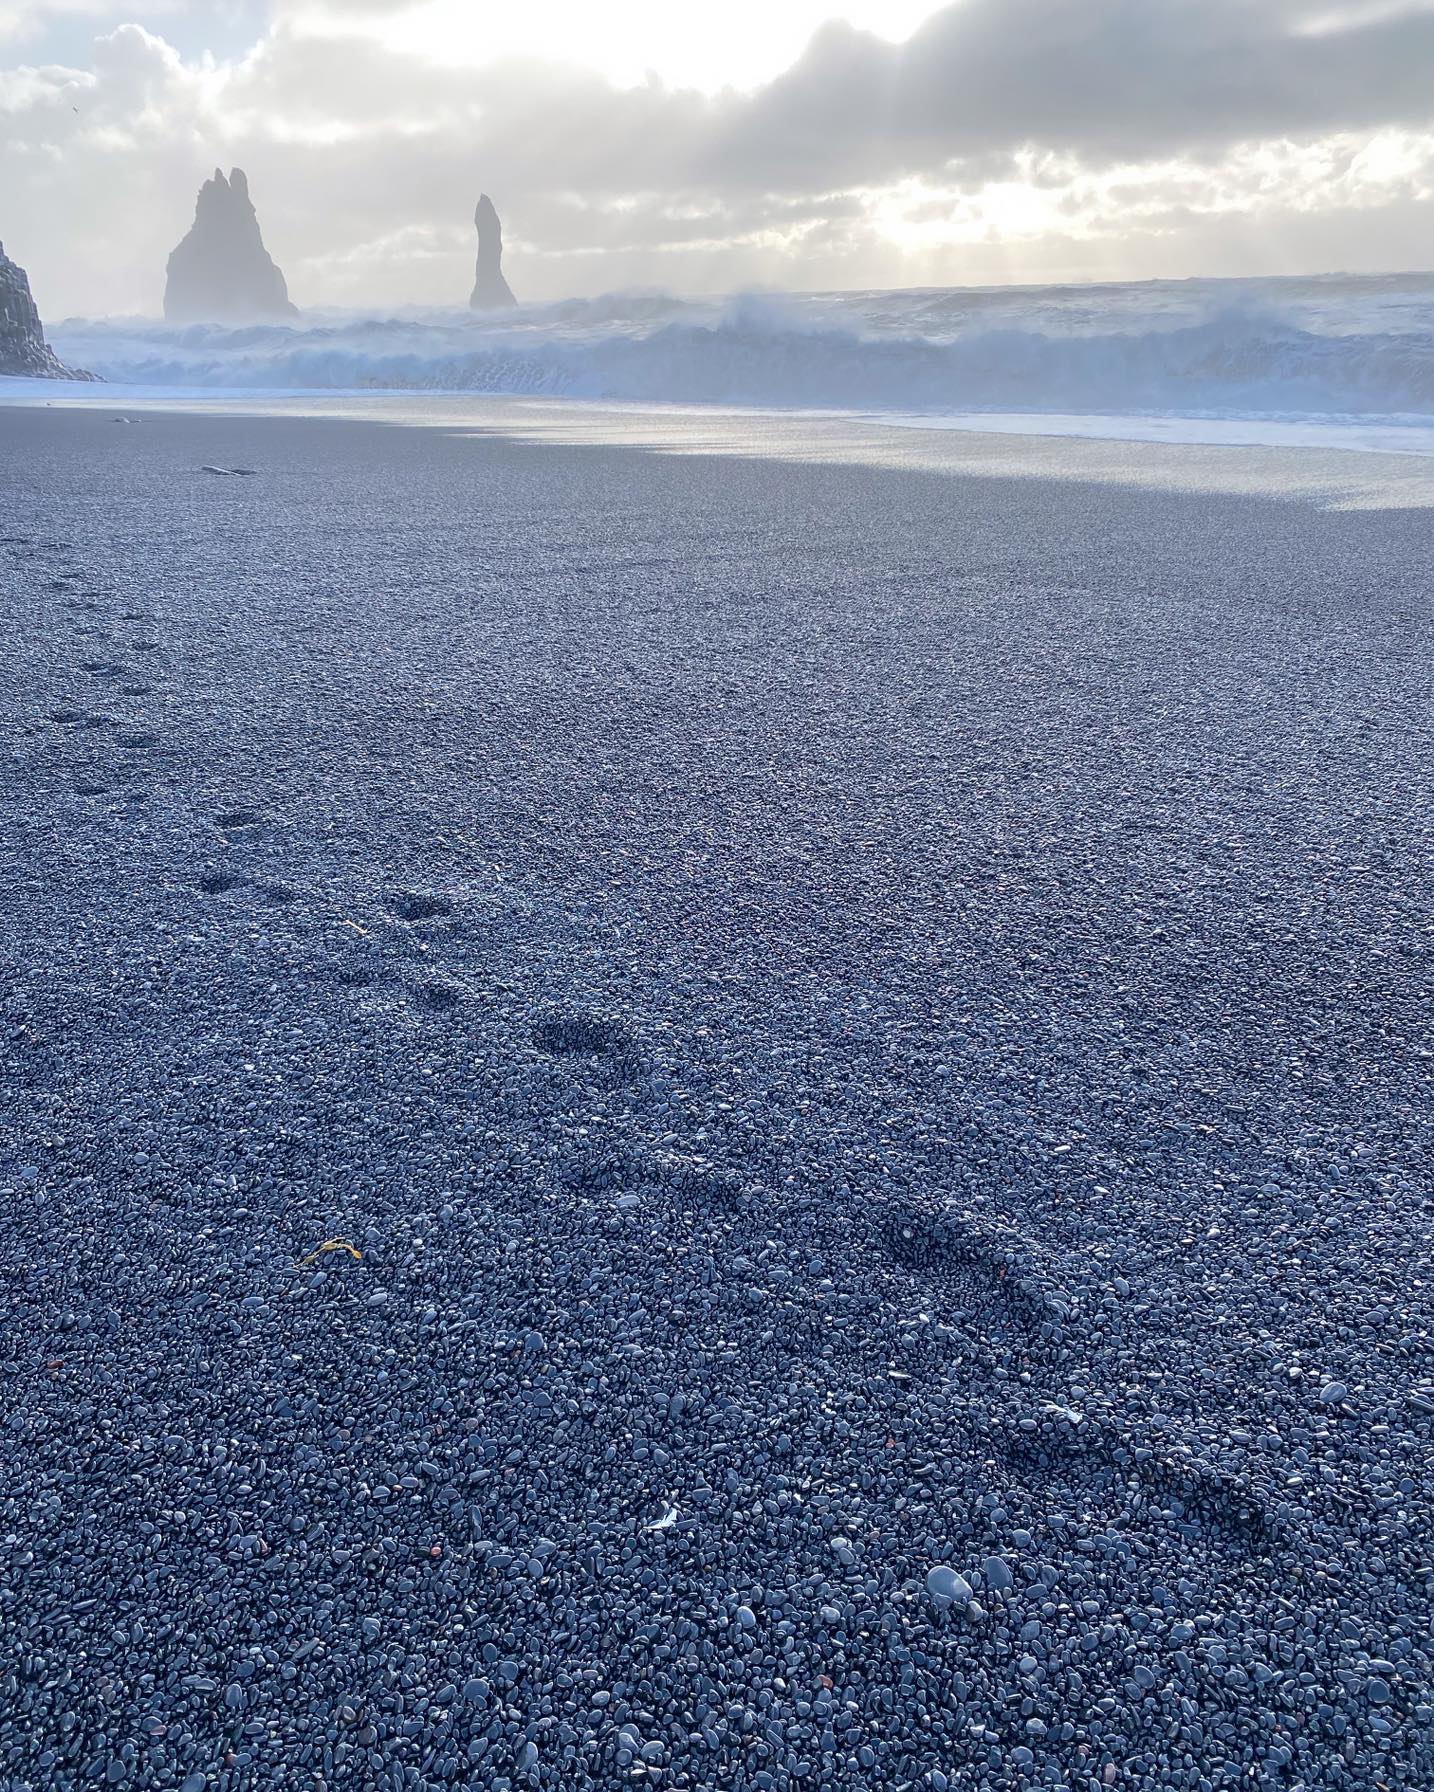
[{"x": 1337, "y": 361}]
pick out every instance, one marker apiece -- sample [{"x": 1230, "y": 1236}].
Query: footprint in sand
[
  {"x": 1077, "y": 1463},
  {"x": 970, "y": 1281},
  {"x": 594, "y": 1047},
  {"x": 419, "y": 905},
  {"x": 977, "y": 1288},
  {"x": 361, "y": 967},
  {"x": 582, "y": 1035},
  {"x": 680, "y": 1182},
  {"x": 226, "y": 883},
  {"x": 80, "y": 718}
]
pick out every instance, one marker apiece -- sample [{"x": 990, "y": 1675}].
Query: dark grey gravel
[{"x": 866, "y": 1031}]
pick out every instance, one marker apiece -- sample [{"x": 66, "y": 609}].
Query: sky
[{"x": 810, "y": 144}]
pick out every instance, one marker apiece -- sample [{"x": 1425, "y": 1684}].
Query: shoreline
[{"x": 1364, "y": 474}]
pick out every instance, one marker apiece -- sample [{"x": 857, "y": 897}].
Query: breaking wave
[{"x": 1360, "y": 348}]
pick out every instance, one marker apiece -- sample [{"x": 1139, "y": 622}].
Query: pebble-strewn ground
[{"x": 867, "y": 1031}]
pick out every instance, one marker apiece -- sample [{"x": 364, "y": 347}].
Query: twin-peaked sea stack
[
  {"x": 222, "y": 273},
  {"x": 490, "y": 289},
  {"x": 23, "y": 348}
]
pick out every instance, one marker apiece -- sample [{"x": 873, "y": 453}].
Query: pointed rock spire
[
  {"x": 221, "y": 272},
  {"x": 489, "y": 288}
]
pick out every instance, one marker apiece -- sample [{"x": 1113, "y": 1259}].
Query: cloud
[
  {"x": 1109, "y": 80},
  {"x": 1003, "y": 136},
  {"x": 25, "y": 19}
]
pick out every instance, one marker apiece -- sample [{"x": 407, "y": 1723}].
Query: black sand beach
[{"x": 864, "y": 1031}]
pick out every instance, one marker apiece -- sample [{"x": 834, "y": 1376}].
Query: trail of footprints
[
  {"x": 985, "y": 1299},
  {"x": 976, "y": 1295},
  {"x": 992, "y": 1297},
  {"x": 111, "y": 753},
  {"x": 385, "y": 953}
]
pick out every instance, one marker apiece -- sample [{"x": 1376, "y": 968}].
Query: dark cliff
[{"x": 23, "y": 349}]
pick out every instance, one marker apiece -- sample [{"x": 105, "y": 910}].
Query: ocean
[{"x": 1343, "y": 361}]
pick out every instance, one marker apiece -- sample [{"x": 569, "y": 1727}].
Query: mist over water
[{"x": 1333, "y": 346}]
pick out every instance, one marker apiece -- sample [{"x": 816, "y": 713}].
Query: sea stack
[
  {"x": 221, "y": 272},
  {"x": 490, "y": 289},
  {"x": 23, "y": 349}
]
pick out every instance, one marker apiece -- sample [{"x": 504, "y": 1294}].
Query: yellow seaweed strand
[{"x": 329, "y": 1244}]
